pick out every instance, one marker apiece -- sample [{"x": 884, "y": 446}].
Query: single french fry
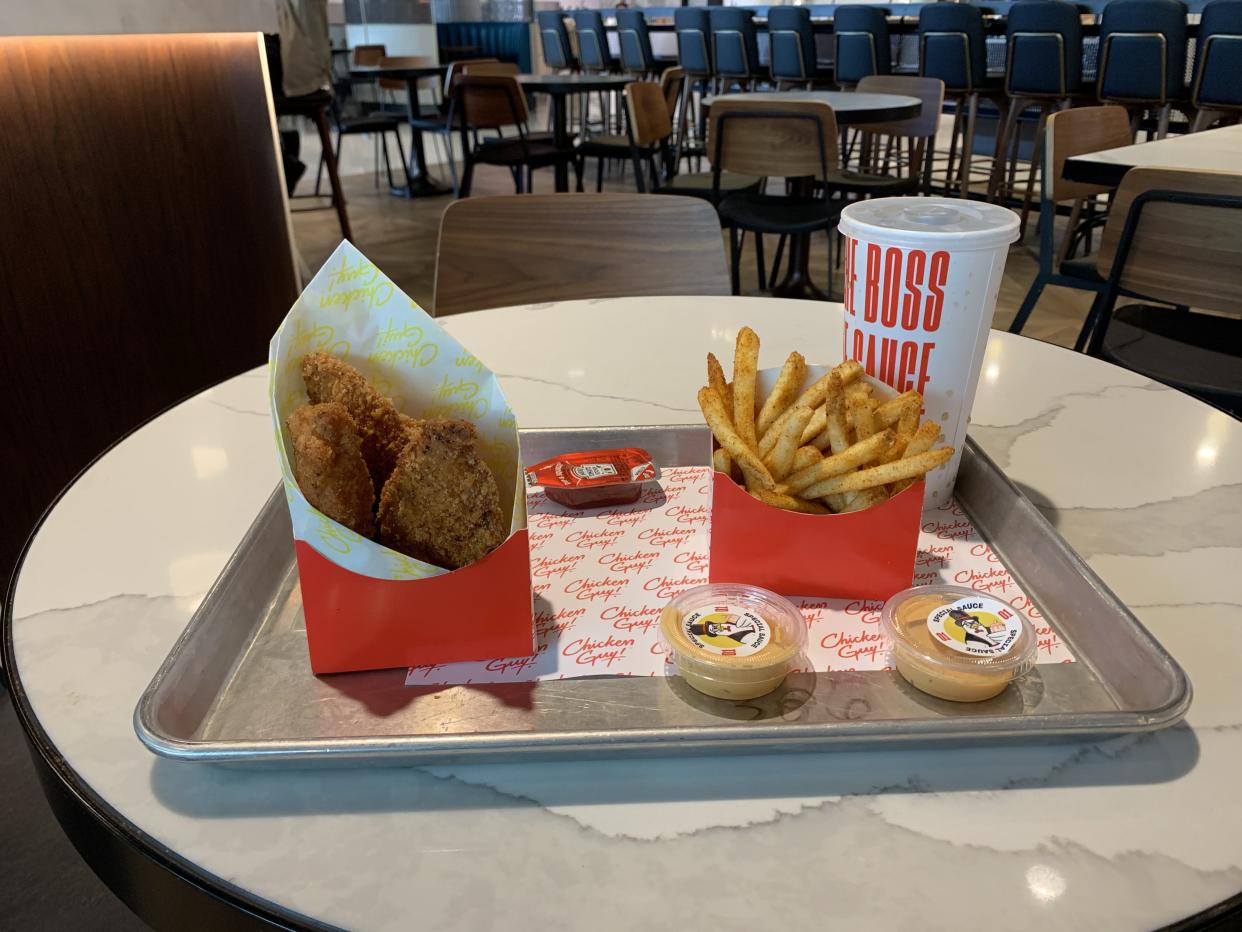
[
  {"x": 858, "y": 455},
  {"x": 837, "y": 503},
  {"x": 821, "y": 392},
  {"x": 815, "y": 426},
  {"x": 787, "y": 386},
  {"x": 717, "y": 419},
  {"x": 886, "y": 415},
  {"x": 849, "y": 371},
  {"x": 906, "y": 424},
  {"x": 789, "y": 502},
  {"x": 745, "y": 364},
  {"x": 837, "y": 429},
  {"x": 780, "y": 460},
  {"x": 858, "y": 389},
  {"x": 804, "y": 457},
  {"x": 716, "y": 381},
  {"x": 926, "y": 434},
  {"x": 870, "y": 478},
  {"x": 722, "y": 461},
  {"x": 860, "y": 414},
  {"x": 864, "y": 499}
]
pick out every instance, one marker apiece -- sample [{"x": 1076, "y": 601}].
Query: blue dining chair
[
  {"x": 735, "y": 46},
  {"x": 1217, "y": 87},
  {"x": 554, "y": 39},
  {"x": 952, "y": 48},
  {"x": 635, "y": 41},
  {"x": 861, "y": 44},
  {"x": 1143, "y": 57},
  {"x": 791, "y": 44},
  {"x": 593, "y": 51},
  {"x": 1043, "y": 69},
  {"x": 694, "y": 55}
]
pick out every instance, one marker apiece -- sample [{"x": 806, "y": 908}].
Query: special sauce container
[
  {"x": 732, "y": 641},
  {"x": 957, "y": 644}
]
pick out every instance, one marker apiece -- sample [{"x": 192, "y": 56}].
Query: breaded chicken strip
[
  {"x": 441, "y": 504},
  {"x": 328, "y": 466},
  {"x": 380, "y": 426}
]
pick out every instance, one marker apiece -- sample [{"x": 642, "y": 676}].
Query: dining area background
[{"x": 179, "y": 174}]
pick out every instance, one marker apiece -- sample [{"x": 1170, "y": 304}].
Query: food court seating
[
  {"x": 131, "y": 281},
  {"x": 792, "y": 48},
  {"x": 952, "y": 48},
  {"x": 1175, "y": 236},
  {"x": 1216, "y": 91},
  {"x": 694, "y": 56},
  {"x": 905, "y": 145},
  {"x": 637, "y": 58},
  {"x": 498, "y": 251},
  {"x": 861, "y": 44},
  {"x": 735, "y": 47},
  {"x": 1143, "y": 57},
  {"x": 554, "y": 40}
]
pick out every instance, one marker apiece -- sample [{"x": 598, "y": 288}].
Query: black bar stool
[
  {"x": 1217, "y": 89},
  {"x": 792, "y": 47},
  {"x": 735, "y": 47},
  {"x": 1043, "y": 68},
  {"x": 694, "y": 55},
  {"x": 1143, "y": 57},
  {"x": 951, "y": 48},
  {"x": 861, "y": 45}
]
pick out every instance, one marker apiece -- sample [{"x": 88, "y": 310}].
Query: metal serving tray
[{"x": 237, "y": 687}]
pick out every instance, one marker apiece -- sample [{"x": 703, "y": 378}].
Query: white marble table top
[
  {"x": 1210, "y": 150},
  {"x": 1127, "y": 834}
]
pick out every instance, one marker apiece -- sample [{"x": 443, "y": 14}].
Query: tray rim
[{"x": 733, "y": 735}]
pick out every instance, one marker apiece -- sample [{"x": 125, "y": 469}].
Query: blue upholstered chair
[
  {"x": 861, "y": 44},
  {"x": 951, "y": 48},
  {"x": 593, "y": 52},
  {"x": 735, "y": 46},
  {"x": 1143, "y": 57},
  {"x": 635, "y": 42},
  {"x": 1217, "y": 87},
  {"x": 554, "y": 38},
  {"x": 694, "y": 55},
  {"x": 792, "y": 47}
]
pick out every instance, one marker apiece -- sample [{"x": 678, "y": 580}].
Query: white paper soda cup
[{"x": 921, "y": 279}]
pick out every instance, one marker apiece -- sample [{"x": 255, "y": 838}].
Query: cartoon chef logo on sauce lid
[
  {"x": 980, "y": 627},
  {"x": 727, "y": 631}
]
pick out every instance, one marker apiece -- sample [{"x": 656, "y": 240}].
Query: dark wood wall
[{"x": 144, "y": 243}]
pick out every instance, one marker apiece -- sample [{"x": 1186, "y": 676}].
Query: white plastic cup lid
[{"x": 922, "y": 221}]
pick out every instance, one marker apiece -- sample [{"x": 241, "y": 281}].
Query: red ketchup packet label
[{"x": 592, "y": 478}]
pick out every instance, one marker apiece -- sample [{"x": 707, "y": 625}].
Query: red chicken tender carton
[
  {"x": 867, "y": 554},
  {"x": 367, "y": 606}
]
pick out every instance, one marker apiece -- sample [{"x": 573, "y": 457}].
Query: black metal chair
[
  {"x": 791, "y": 43},
  {"x": 381, "y": 123},
  {"x": 952, "y": 48},
  {"x": 1216, "y": 92},
  {"x": 861, "y": 44},
  {"x": 1143, "y": 57},
  {"x": 1175, "y": 236},
  {"x": 735, "y": 47}
]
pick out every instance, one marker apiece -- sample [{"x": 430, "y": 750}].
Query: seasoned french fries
[{"x": 836, "y": 445}]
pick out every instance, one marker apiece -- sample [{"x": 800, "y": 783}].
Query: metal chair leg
[
  {"x": 968, "y": 143},
  {"x": 763, "y": 285},
  {"x": 1028, "y": 304},
  {"x": 735, "y": 261}
]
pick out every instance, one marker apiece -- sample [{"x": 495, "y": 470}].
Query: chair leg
[
  {"x": 828, "y": 286},
  {"x": 763, "y": 285},
  {"x": 968, "y": 143},
  {"x": 387, "y": 162},
  {"x": 1091, "y": 321},
  {"x": 1162, "y": 124},
  {"x": 599, "y": 175},
  {"x": 1028, "y": 304},
  {"x": 467, "y": 177},
  {"x": 1030, "y": 176},
  {"x": 953, "y": 134},
  {"x": 1010, "y": 120},
  {"x": 334, "y": 181},
  {"x": 776, "y": 262},
  {"x": 735, "y": 261}
]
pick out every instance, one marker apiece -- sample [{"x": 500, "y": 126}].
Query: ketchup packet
[{"x": 593, "y": 478}]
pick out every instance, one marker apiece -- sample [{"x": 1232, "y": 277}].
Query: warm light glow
[
  {"x": 992, "y": 372},
  {"x": 1044, "y": 882},
  {"x": 209, "y": 461},
  {"x": 1206, "y": 455}
]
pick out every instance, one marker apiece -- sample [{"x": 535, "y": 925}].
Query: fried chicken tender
[
  {"x": 381, "y": 428},
  {"x": 329, "y": 468},
  {"x": 441, "y": 504}
]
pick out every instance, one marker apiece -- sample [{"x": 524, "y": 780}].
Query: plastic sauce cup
[
  {"x": 921, "y": 279},
  {"x": 732, "y": 641},
  {"x": 955, "y": 643}
]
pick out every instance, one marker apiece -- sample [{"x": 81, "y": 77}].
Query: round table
[
  {"x": 850, "y": 107},
  {"x": 1130, "y": 833},
  {"x": 558, "y": 87}
]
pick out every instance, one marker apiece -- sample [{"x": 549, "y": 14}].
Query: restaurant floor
[{"x": 400, "y": 236}]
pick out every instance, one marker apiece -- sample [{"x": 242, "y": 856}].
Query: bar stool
[
  {"x": 554, "y": 37},
  {"x": 1043, "y": 68},
  {"x": 1143, "y": 57},
  {"x": 694, "y": 56},
  {"x": 596, "y": 57},
  {"x": 792, "y": 47},
  {"x": 861, "y": 45},
  {"x": 735, "y": 47},
  {"x": 1217, "y": 89},
  {"x": 635, "y": 41},
  {"x": 951, "y": 48}
]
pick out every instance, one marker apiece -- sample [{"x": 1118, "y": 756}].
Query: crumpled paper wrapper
[{"x": 352, "y": 310}]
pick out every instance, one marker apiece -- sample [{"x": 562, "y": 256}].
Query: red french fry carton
[
  {"x": 366, "y": 606},
  {"x": 867, "y": 554}
]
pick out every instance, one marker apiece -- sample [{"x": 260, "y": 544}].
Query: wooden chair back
[
  {"x": 650, "y": 121},
  {"x": 779, "y": 138},
  {"x": 928, "y": 90},
  {"x": 1076, "y": 132},
  {"x": 147, "y": 251},
  {"x": 1181, "y": 253},
  {"x": 670, "y": 83},
  {"x": 490, "y": 101},
  {"x": 457, "y": 68},
  {"x": 493, "y": 66},
  {"x": 367, "y": 55},
  {"x": 401, "y": 61},
  {"x": 498, "y": 251}
]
